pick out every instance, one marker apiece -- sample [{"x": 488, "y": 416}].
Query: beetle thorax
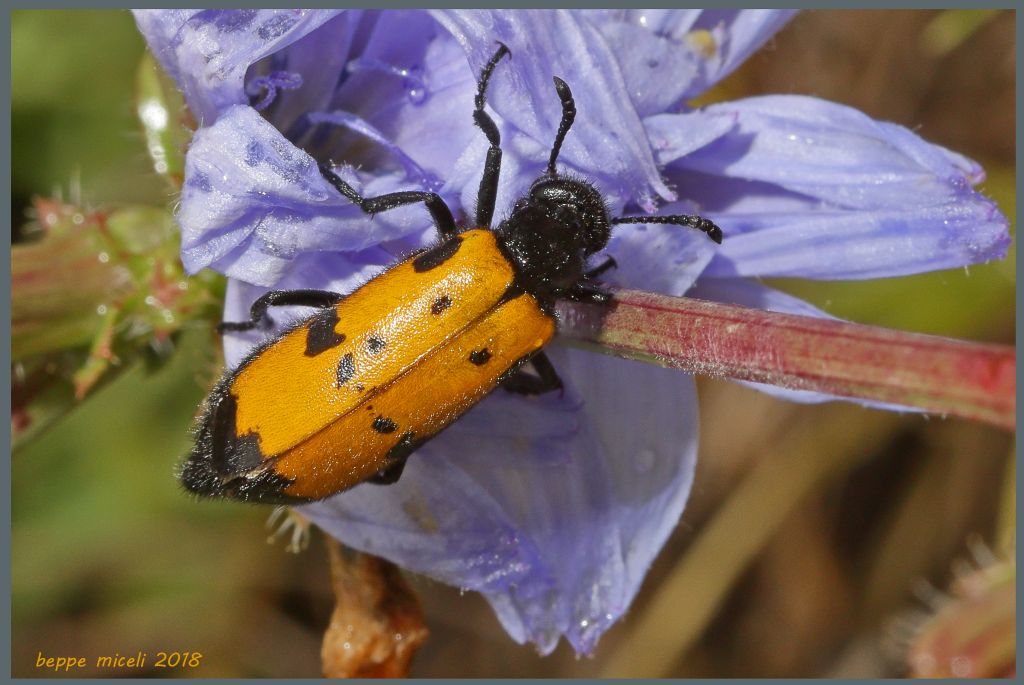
[{"x": 552, "y": 230}]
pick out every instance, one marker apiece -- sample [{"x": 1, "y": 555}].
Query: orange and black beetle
[{"x": 348, "y": 394}]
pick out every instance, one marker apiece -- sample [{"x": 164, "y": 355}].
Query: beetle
[{"x": 347, "y": 394}]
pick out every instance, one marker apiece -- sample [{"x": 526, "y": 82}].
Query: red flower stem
[{"x": 939, "y": 375}]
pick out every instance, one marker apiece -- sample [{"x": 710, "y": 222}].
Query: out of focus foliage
[{"x": 809, "y": 527}]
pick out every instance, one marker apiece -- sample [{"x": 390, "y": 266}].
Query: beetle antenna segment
[
  {"x": 485, "y": 76},
  {"x": 568, "y": 116},
  {"x": 694, "y": 221},
  {"x": 488, "y": 192}
]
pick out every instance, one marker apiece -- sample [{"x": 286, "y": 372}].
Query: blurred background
[{"x": 819, "y": 541}]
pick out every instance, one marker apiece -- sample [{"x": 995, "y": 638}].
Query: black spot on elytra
[
  {"x": 360, "y": 388},
  {"x": 220, "y": 457},
  {"x": 233, "y": 453},
  {"x": 440, "y": 304},
  {"x": 320, "y": 335},
  {"x": 436, "y": 256},
  {"x": 382, "y": 424},
  {"x": 374, "y": 345},
  {"x": 245, "y": 454},
  {"x": 479, "y": 357},
  {"x": 346, "y": 369},
  {"x": 224, "y": 464}
]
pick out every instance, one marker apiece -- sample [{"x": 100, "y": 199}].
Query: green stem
[{"x": 938, "y": 375}]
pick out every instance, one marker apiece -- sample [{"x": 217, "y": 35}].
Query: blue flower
[{"x": 552, "y": 507}]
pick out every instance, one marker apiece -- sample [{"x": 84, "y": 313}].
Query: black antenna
[
  {"x": 485, "y": 75},
  {"x": 690, "y": 221},
  {"x": 568, "y": 115}
]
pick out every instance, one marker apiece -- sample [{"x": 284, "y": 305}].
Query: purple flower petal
[
  {"x": 160, "y": 28},
  {"x": 854, "y": 198},
  {"x": 673, "y": 136},
  {"x": 752, "y": 294},
  {"x": 208, "y": 52},
  {"x": 560, "y": 509},
  {"x": 406, "y": 80},
  {"x": 668, "y": 56},
  {"x": 428, "y": 112},
  {"x": 364, "y": 128},
  {"x": 657, "y": 70},
  {"x": 835, "y": 244},
  {"x": 608, "y": 143},
  {"x": 744, "y": 32},
  {"x": 830, "y": 152},
  {"x": 252, "y": 202},
  {"x": 319, "y": 59}
]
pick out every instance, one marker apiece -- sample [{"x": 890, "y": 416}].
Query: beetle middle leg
[
  {"x": 319, "y": 299},
  {"x": 389, "y": 474},
  {"x": 546, "y": 380}
]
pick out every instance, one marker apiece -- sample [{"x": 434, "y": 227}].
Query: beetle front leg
[
  {"x": 319, "y": 299},
  {"x": 587, "y": 294}
]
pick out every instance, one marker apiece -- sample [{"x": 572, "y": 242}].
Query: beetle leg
[
  {"x": 439, "y": 212},
  {"x": 587, "y": 294},
  {"x": 546, "y": 379},
  {"x": 389, "y": 474},
  {"x": 321, "y": 299},
  {"x": 607, "y": 264},
  {"x": 488, "y": 192}
]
